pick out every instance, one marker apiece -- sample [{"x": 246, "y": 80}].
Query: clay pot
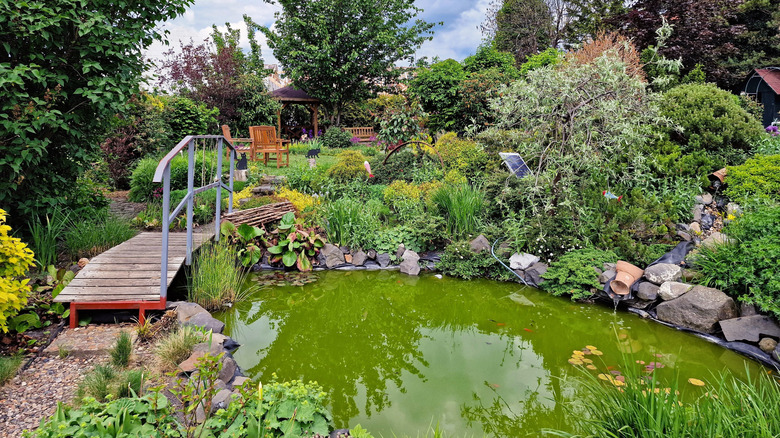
[{"x": 627, "y": 274}]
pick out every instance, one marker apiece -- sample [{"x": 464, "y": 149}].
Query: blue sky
[{"x": 457, "y": 38}]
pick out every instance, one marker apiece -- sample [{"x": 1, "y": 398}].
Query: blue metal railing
[{"x": 163, "y": 175}]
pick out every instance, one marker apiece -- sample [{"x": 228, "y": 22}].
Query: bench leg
[{"x": 74, "y": 319}]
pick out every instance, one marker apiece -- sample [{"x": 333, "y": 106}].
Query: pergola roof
[{"x": 290, "y": 94}]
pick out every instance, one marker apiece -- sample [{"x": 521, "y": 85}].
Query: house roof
[
  {"x": 290, "y": 94},
  {"x": 771, "y": 76}
]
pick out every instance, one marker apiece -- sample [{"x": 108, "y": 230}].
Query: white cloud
[{"x": 459, "y": 38}]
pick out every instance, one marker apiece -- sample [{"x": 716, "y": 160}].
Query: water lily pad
[
  {"x": 605, "y": 377},
  {"x": 574, "y": 361},
  {"x": 590, "y": 347},
  {"x": 596, "y": 352},
  {"x": 591, "y": 367},
  {"x": 578, "y": 353},
  {"x": 695, "y": 382},
  {"x": 587, "y": 360}
]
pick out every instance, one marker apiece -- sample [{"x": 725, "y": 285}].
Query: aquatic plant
[
  {"x": 215, "y": 280},
  {"x": 294, "y": 244}
]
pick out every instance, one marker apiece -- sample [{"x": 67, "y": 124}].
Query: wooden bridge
[{"x": 127, "y": 276}]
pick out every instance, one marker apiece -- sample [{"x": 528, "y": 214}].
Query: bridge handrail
[{"x": 163, "y": 174}]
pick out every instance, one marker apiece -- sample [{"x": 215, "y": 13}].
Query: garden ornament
[
  {"x": 368, "y": 169},
  {"x": 515, "y": 163},
  {"x": 609, "y": 195},
  {"x": 627, "y": 274}
]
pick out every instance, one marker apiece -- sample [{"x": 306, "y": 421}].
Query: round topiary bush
[
  {"x": 336, "y": 137},
  {"x": 349, "y": 167},
  {"x": 711, "y": 119}
]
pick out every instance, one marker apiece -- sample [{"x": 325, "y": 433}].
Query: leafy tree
[
  {"x": 548, "y": 57},
  {"x": 219, "y": 74},
  {"x": 520, "y": 27},
  {"x": 66, "y": 67},
  {"x": 438, "y": 90},
  {"x": 727, "y": 37},
  {"x": 342, "y": 50},
  {"x": 488, "y": 57},
  {"x": 589, "y": 17}
]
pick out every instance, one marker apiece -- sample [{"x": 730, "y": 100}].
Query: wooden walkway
[{"x": 127, "y": 276}]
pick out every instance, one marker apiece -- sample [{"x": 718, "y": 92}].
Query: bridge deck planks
[{"x": 130, "y": 271}]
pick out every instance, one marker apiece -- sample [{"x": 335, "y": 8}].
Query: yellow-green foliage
[
  {"x": 759, "y": 177},
  {"x": 427, "y": 190},
  {"x": 401, "y": 191},
  {"x": 349, "y": 167},
  {"x": 300, "y": 201},
  {"x": 243, "y": 194},
  {"x": 15, "y": 260},
  {"x": 465, "y": 156}
]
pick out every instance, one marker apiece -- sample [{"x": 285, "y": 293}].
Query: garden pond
[{"x": 399, "y": 354}]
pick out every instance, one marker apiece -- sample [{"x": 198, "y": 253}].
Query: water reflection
[{"x": 398, "y": 353}]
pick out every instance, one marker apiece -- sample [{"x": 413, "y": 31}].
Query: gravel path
[{"x": 33, "y": 394}]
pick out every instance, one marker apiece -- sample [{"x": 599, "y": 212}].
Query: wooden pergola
[{"x": 289, "y": 95}]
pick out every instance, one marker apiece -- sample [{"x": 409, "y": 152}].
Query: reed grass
[
  {"x": 461, "y": 206},
  {"x": 91, "y": 237},
  {"x": 177, "y": 346},
  {"x": 726, "y": 407},
  {"x": 97, "y": 383},
  {"x": 121, "y": 351},
  {"x": 215, "y": 279},
  {"x": 8, "y": 367},
  {"x": 351, "y": 222},
  {"x": 44, "y": 237}
]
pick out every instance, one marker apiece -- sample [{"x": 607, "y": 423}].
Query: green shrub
[
  {"x": 15, "y": 259},
  {"x": 767, "y": 145},
  {"x": 461, "y": 206},
  {"x": 573, "y": 273},
  {"x": 709, "y": 119},
  {"x": 548, "y": 57},
  {"x": 336, "y": 138},
  {"x": 88, "y": 238},
  {"x": 142, "y": 188},
  {"x": 45, "y": 233},
  {"x": 216, "y": 280},
  {"x": 458, "y": 260},
  {"x": 282, "y": 408},
  {"x": 185, "y": 117},
  {"x": 757, "y": 179},
  {"x": 404, "y": 198},
  {"x": 147, "y": 416},
  {"x": 746, "y": 266},
  {"x": 97, "y": 383},
  {"x": 349, "y": 167}
]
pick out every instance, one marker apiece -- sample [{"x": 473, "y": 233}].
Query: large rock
[
  {"x": 749, "y": 328},
  {"x": 383, "y": 259},
  {"x": 607, "y": 275},
  {"x": 206, "y": 322},
  {"x": 409, "y": 264},
  {"x": 522, "y": 261},
  {"x": 715, "y": 238},
  {"x": 371, "y": 254},
  {"x": 190, "y": 364},
  {"x": 480, "y": 244},
  {"x": 185, "y": 310},
  {"x": 648, "y": 291},
  {"x": 333, "y": 255},
  {"x": 229, "y": 368},
  {"x": 663, "y": 272},
  {"x": 221, "y": 400},
  {"x": 239, "y": 381},
  {"x": 776, "y": 353},
  {"x": 399, "y": 253},
  {"x": 533, "y": 275},
  {"x": 212, "y": 348},
  {"x": 359, "y": 258},
  {"x": 699, "y": 309},
  {"x": 670, "y": 290},
  {"x": 704, "y": 198}
]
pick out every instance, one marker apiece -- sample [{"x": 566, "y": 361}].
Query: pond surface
[{"x": 399, "y": 354}]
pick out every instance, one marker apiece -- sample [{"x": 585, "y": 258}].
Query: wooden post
[
  {"x": 314, "y": 116},
  {"x": 279, "y": 121}
]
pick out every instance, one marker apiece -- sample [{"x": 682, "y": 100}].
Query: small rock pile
[{"x": 230, "y": 378}]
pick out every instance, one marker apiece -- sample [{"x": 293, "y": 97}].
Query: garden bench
[{"x": 364, "y": 133}]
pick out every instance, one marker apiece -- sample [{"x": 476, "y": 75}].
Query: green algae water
[{"x": 399, "y": 354}]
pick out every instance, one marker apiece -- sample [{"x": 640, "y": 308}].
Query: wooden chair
[
  {"x": 242, "y": 145},
  {"x": 265, "y": 142}
]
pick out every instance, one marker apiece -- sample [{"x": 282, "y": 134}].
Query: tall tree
[
  {"x": 66, "y": 66},
  {"x": 727, "y": 37},
  {"x": 520, "y": 27},
  {"x": 586, "y": 18},
  {"x": 342, "y": 50}
]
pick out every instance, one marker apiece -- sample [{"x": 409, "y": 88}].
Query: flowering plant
[{"x": 772, "y": 130}]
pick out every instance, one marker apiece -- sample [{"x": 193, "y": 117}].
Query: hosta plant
[{"x": 295, "y": 245}]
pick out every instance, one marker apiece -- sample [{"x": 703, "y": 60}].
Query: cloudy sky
[{"x": 457, "y": 38}]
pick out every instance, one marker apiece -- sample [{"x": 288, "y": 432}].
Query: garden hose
[{"x": 493, "y": 253}]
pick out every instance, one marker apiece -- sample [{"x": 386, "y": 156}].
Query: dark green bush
[
  {"x": 460, "y": 261},
  {"x": 710, "y": 119},
  {"x": 746, "y": 266},
  {"x": 336, "y": 138},
  {"x": 573, "y": 273},
  {"x": 142, "y": 188},
  {"x": 757, "y": 179}
]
